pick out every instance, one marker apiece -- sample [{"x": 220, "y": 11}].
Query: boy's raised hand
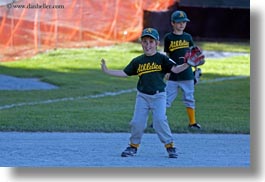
[{"x": 103, "y": 65}]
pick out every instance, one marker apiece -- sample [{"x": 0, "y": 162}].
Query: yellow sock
[
  {"x": 134, "y": 145},
  {"x": 169, "y": 145},
  {"x": 191, "y": 115}
]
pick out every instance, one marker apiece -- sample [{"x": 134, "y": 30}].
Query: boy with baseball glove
[
  {"x": 151, "y": 68},
  {"x": 179, "y": 46}
]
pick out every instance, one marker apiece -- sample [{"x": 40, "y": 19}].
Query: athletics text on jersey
[
  {"x": 178, "y": 44},
  {"x": 148, "y": 68}
]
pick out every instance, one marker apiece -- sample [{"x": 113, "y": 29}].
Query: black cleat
[
  {"x": 172, "y": 152},
  {"x": 195, "y": 126},
  {"x": 129, "y": 151}
]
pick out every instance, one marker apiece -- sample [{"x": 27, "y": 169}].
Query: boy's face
[
  {"x": 149, "y": 45},
  {"x": 179, "y": 26}
]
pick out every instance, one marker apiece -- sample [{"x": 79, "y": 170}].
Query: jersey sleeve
[
  {"x": 130, "y": 69},
  {"x": 168, "y": 64},
  {"x": 191, "y": 41},
  {"x": 166, "y": 44}
]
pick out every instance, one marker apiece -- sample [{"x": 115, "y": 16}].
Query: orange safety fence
[{"x": 31, "y": 26}]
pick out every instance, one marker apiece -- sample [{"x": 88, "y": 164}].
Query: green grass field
[{"x": 221, "y": 107}]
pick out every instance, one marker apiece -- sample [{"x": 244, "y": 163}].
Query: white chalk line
[
  {"x": 105, "y": 94},
  {"x": 224, "y": 79}
]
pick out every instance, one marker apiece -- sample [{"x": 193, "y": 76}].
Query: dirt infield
[
  {"x": 22, "y": 84},
  {"x": 99, "y": 150}
]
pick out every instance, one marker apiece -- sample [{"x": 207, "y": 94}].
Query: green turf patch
[{"x": 221, "y": 107}]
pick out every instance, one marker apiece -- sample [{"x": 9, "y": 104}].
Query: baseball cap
[
  {"x": 150, "y": 32},
  {"x": 179, "y": 16}
]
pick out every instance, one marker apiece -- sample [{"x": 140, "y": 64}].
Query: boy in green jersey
[
  {"x": 151, "y": 68},
  {"x": 176, "y": 44}
]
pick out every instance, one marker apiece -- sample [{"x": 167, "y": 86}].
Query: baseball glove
[{"x": 194, "y": 56}]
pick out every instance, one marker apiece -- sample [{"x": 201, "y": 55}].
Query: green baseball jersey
[
  {"x": 176, "y": 47},
  {"x": 151, "y": 71}
]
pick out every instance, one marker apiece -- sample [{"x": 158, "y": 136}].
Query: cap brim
[
  {"x": 149, "y": 35},
  {"x": 182, "y": 20}
]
